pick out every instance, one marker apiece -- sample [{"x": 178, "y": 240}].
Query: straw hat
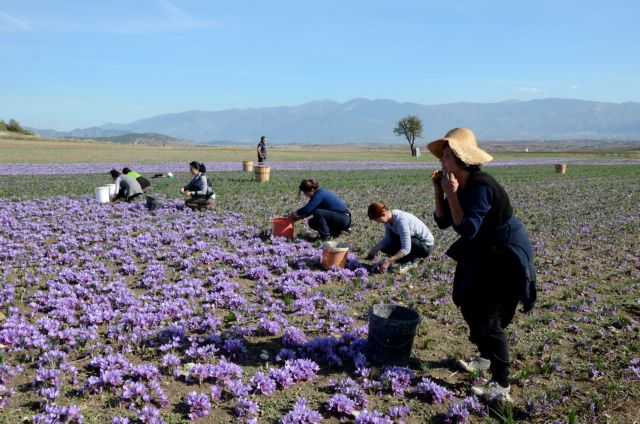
[{"x": 463, "y": 143}]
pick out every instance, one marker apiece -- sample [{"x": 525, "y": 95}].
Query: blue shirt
[{"x": 322, "y": 199}]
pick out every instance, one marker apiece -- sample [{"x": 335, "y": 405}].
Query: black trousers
[
  {"x": 418, "y": 249},
  {"x": 144, "y": 183},
  {"x": 121, "y": 195},
  {"x": 329, "y": 223},
  {"x": 491, "y": 309},
  {"x": 199, "y": 202}
]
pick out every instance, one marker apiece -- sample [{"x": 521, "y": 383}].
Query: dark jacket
[
  {"x": 489, "y": 239},
  {"x": 199, "y": 185},
  {"x": 323, "y": 199}
]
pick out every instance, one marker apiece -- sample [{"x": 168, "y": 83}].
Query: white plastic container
[
  {"x": 102, "y": 194},
  {"x": 112, "y": 191}
]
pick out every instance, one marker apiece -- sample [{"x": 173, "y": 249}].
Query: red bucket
[{"x": 282, "y": 227}]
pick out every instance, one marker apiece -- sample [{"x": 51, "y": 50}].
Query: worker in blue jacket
[
  {"x": 494, "y": 270},
  {"x": 329, "y": 215}
]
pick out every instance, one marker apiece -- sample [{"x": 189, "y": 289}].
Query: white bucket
[
  {"x": 102, "y": 194},
  {"x": 112, "y": 191}
]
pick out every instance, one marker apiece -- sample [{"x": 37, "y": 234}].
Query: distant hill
[
  {"x": 92, "y": 133},
  {"x": 152, "y": 139},
  {"x": 372, "y": 121},
  {"x": 115, "y": 136}
]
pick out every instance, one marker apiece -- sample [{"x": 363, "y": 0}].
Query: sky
[{"x": 69, "y": 64}]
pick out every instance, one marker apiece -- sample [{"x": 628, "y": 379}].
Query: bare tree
[{"x": 411, "y": 127}]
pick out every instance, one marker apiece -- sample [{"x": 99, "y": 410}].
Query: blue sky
[{"x": 68, "y": 64}]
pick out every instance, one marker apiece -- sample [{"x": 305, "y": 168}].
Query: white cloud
[
  {"x": 8, "y": 22},
  {"x": 573, "y": 87},
  {"x": 531, "y": 90}
]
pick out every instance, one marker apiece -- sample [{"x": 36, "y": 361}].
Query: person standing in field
[
  {"x": 144, "y": 183},
  {"x": 494, "y": 269},
  {"x": 330, "y": 216},
  {"x": 126, "y": 186},
  {"x": 261, "y": 149},
  {"x": 406, "y": 238},
  {"x": 199, "y": 192}
]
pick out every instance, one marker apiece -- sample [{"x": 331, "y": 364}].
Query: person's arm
[
  {"x": 200, "y": 186},
  {"x": 258, "y": 151},
  {"x": 450, "y": 187},
  {"x": 384, "y": 242},
  {"x": 477, "y": 206},
  {"x": 404, "y": 233},
  {"x": 374, "y": 251},
  {"x": 187, "y": 190},
  {"x": 311, "y": 205}
]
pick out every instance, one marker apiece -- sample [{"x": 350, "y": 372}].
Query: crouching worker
[
  {"x": 406, "y": 238},
  {"x": 144, "y": 183},
  {"x": 127, "y": 187},
  {"x": 330, "y": 216},
  {"x": 200, "y": 194}
]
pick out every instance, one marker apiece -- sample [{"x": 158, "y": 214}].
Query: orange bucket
[
  {"x": 334, "y": 254},
  {"x": 282, "y": 227}
]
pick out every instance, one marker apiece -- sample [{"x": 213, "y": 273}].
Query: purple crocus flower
[{"x": 198, "y": 404}]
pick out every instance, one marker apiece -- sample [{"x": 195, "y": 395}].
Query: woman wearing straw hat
[{"x": 494, "y": 269}]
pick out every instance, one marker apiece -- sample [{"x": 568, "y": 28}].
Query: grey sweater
[
  {"x": 129, "y": 185},
  {"x": 406, "y": 225}
]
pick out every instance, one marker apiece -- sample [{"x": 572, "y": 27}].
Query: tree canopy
[
  {"x": 13, "y": 126},
  {"x": 411, "y": 127}
]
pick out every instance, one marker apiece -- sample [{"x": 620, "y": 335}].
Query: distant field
[{"x": 40, "y": 150}]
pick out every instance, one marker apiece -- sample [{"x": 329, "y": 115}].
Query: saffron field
[{"x": 113, "y": 314}]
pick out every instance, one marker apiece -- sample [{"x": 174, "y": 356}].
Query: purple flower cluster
[
  {"x": 198, "y": 404},
  {"x": 460, "y": 412},
  {"x": 301, "y": 414},
  {"x": 397, "y": 380},
  {"x": 433, "y": 391},
  {"x": 54, "y": 414},
  {"x": 348, "y": 397}
]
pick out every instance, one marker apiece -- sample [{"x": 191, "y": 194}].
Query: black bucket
[
  {"x": 152, "y": 203},
  {"x": 392, "y": 329}
]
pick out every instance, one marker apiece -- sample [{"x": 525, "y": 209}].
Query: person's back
[
  {"x": 406, "y": 224},
  {"x": 129, "y": 186}
]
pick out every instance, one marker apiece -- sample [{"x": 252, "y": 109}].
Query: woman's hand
[
  {"x": 372, "y": 254},
  {"x": 182, "y": 190},
  {"x": 384, "y": 266},
  {"x": 450, "y": 184}
]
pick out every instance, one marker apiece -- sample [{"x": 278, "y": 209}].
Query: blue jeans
[{"x": 329, "y": 223}]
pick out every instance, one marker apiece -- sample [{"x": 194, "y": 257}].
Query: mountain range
[{"x": 372, "y": 121}]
